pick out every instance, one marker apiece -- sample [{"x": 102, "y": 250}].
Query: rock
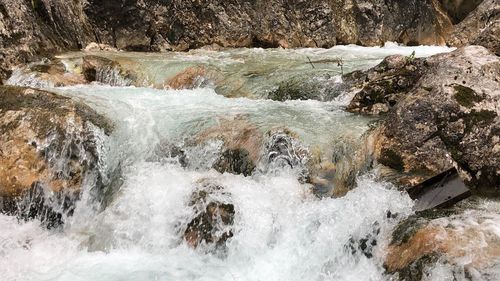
[
  {"x": 235, "y": 161},
  {"x": 45, "y": 74},
  {"x": 213, "y": 216},
  {"x": 106, "y": 71},
  {"x": 30, "y": 29},
  {"x": 448, "y": 114},
  {"x": 237, "y": 134},
  {"x": 49, "y": 144},
  {"x": 283, "y": 150},
  {"x": 315, "y": 86},
  {"x": 93, "y": 46},
  {"x": 459, "y": 9},
  {"x": 382, "y": 86},
  {"x": 464, "y": 240},
  {"x": 190, "y": 78},
  {"x": 480, "y": 27}
]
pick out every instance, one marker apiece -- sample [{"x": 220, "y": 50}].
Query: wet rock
[
  {"x": 448, "y": 115},
  {"x": 315, "y": 87},
  {"x": 30, "y": 29},
  {"x": 283, "y": 150},
  {"x": 213, "y": 216},
  {"x": 480, "y": 27},
  {"x": 336, "y": 175},
  {"x": 235, "y": 161},
  {"x": 237, "y": 134},
  {"x": 190, "y": 78},
  {"x": 45, "y": 74},
  {"x": 464, "y": 240},
  {"x": 49, "y": 145},
  {"x": 106, "y": 71},
  {"x": 168, "y": 151}
]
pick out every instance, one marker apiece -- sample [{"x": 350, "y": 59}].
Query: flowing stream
[{"x": 282, "y": 230}]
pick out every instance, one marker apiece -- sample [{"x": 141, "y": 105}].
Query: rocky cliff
[{"x": 33, "y": 28}]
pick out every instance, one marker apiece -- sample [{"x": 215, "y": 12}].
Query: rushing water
[{"x": 282, "y": 231}]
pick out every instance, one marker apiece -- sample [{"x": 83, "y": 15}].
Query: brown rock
[
  {"x": 464, "y": 240},
  {"x": 237, "y": 134},
  {"x": 190, "y": 78},
  {"x": 214, "y": 217},
  {"x": 47, "y": 143},
  {"x": 107, "y": 71},
  {"x": 46, "y": 74}
]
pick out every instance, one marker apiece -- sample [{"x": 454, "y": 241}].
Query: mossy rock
[{"x": 466, "y": 96}]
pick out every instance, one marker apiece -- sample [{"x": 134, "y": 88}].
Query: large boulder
[
  {"x": 49, "y": 146},
  {"x": 449, "y": 116}
]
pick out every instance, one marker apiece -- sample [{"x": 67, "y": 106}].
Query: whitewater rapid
[{"x": 282, "y": 231}]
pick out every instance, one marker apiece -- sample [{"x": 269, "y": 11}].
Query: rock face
[
  {"x": 480, "y": 27},
  {"x": 30, "y": 29},
  {"x": 49, "y": 145},
  {"x": 465, "y": 241},
  {"x": 449, "y": 113},
  {"x": 459, "y": 9}
]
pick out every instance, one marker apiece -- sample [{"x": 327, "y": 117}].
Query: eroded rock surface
[
  {"x": 49, "y": 146},
  {"x": 448, "y": 112}
]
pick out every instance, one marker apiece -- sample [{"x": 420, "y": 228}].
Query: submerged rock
[
  {"x": 448, "y": 114},
  {"x": 242, "y": 144},
  {"x": 190, "y": 78},
  {"x": 306, "y": 87},
  {"x": 236, "y": 161},
  {"x": 214, "y": 213},
  {"x": 45, "y": 74},
  {"x": 106, "y": 71},
  {"x": 464, "y": 240},
  {"x": 49, "y": 146}
]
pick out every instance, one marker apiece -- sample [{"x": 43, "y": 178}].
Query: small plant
[{"x": 411, "y": 57}]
